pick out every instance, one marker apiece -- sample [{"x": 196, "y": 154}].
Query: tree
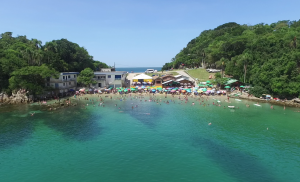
[
  {"x": 31, "y": 78},
  {"x": 18, "y": 54},
  {"x": 86, "y": 77},
  {"x": 246, "y": 58},
  {"x": 263, "y": 55}
]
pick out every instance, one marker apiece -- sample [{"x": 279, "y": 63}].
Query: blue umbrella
[
  {"x": 153, "y": 90},
  {"x": 143, "y": 87}
]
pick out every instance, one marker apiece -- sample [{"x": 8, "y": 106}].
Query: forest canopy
[
  {"x": 261, "y": 55},
  {"x": 21, "y": 59}
]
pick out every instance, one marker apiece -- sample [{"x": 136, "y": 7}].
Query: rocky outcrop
[
  {"x": 18, "y": 98},
  {"x": 290, "y": 103}
]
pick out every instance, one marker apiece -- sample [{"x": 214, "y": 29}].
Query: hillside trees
[
  {"x": 262, "y": 55},
  {"x": 20, "y": 54}
]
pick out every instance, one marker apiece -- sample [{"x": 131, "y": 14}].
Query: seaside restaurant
[
  {"x": 157, "y": 81},
  {"x": 142, "y": 80}
]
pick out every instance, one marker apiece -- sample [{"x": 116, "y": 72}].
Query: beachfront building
[
  {"x": 141, "y": 80},
  {"x": 157, "y": 81},
  {"x": 107, "y": 78},
  {"x": 173, "y": 81},
  {"x": 67, "y": 81}
]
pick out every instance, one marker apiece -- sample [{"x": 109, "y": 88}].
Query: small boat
[
  {"x": 257, "y": 105},
  {"x": 237, "y": 99},
  {"x": 232, "y": 107}
]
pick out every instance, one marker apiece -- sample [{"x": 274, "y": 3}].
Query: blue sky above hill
[{"x": 134, "y": 32}]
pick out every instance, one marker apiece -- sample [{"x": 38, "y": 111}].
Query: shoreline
[{"x": 288, "y": 103}]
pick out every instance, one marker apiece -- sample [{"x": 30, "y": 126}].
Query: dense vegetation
[
  {"x": 262, "y": 55},
  {"x": 24, "y": 63}
]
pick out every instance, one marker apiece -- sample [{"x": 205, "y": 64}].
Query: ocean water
[
  {"x": 138, "y": 69},
  {"x": 153, "y": 142}
]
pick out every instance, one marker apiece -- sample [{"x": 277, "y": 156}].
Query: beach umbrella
[
  {"x": 153, "y": 90},
  {"x": 204, "y": 89},
  {"x": 143, "y": 87},
  {"x": 242, "y": 86},
  {"x": 183, "y": 91},
  {"x": 159, "y": 88},
  {"x": 227, "y": 87},
  {"x": 207, "y": 81},
  {"x": 133, "y": 89},
  {"x": 173, "y": 90}
]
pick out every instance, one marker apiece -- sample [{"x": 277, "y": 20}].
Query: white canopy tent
[{"x": 142, "y": 76}]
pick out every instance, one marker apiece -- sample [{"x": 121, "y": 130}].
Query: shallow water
[{"x": 152, "y": 142}]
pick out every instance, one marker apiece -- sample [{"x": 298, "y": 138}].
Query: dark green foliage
[
  {"x": 86, "y": 77},
  {"x": 31, "y": 78},
  {"x": 19, "y": 54},
  {"x": 263, "y": 55},
  {"x": 257, "y": 91}
]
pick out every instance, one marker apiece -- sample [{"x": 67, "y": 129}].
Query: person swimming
[{"x": 209, "y": 123}]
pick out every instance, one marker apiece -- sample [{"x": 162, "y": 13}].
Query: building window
[
  {"x": 69, "y": 83},
  {"x": 48, "y": 84},
  {"x": 64, "y": 84},
  {"x": 63, "y": 77},
  {"x": 158, "y": 82},
  {"x": 74, "y": 76},
  {"x": 117, "y": 77},
  {"x": 69, "y": 76},
  {"x": 108, "y": 76}
]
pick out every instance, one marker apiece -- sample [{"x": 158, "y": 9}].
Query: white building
[
  {"x": 67, "y": 81},
  {"x": 105, "y": 78}
]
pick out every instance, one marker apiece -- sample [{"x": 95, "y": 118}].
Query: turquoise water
[{"x": 150, "y": 143}]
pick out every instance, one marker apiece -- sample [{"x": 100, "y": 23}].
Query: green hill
[{"x": 262, "y": 55}]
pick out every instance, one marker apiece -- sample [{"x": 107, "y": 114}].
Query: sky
[{"x": 135, "y": 33}]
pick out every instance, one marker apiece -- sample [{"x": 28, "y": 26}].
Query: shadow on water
[
  {"x": 148, "y": 115},
  {"x": 80, "y": 126},
  {"x": 14, "y": 131},
  {"x": 240, "y": 165}
]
